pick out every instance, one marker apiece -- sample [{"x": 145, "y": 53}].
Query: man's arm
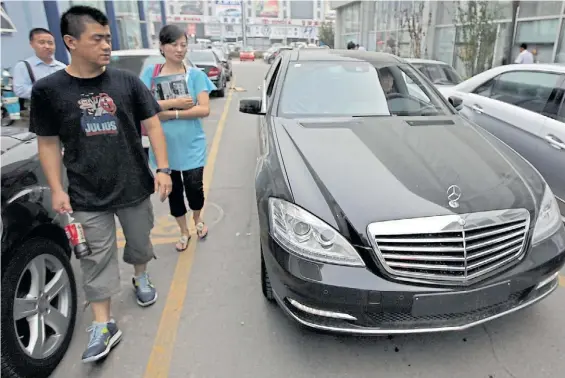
[
  {"x": 146, "y": 111},
  {"x": 157, "y": 140},
  {"x": 22, "y": 81},
  {"x": 50, "y": 157}
]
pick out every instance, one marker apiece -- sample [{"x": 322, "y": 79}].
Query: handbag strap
[{"x": 156, "y": 71}]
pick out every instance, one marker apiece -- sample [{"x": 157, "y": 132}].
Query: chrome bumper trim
[{"x": 382, "y": 331}]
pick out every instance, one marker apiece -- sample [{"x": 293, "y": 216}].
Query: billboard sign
[{"x": 267, "y": 8}]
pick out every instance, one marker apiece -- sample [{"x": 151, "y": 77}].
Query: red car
[{"x": 247, "y": 54}]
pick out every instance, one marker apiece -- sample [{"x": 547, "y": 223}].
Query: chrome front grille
[{"x": 455, "y": 248}]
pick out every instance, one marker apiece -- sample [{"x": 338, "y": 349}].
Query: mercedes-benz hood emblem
[{"x": 453, "y": 196}]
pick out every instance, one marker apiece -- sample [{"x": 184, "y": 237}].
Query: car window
[
  {"x": 441, "y": 74},
  {"x": 357, "y": 88},
  {"x": 528, "y": 90},
  {"x": 135, "y": 63}
]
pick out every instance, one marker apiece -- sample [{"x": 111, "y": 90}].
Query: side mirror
[
  {"x": 224, "y": 60},
  {"x": 250, "y": 106},
  {"x": 457, "y": 102}
]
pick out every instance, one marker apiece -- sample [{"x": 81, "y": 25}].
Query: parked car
[
  {"x": 523, "y": 105},
  {"x": 226, "y": 62},
  {"x": 382, "y": 213},
  {"x": 439, "y": 73},
  {"x": 136, "y": 61},
  {"x": 211, "y": 65},
  {"x": 39, "y": 295},
  {"x": 277, "y": 52},
  {"x": 247, "y": 54}
]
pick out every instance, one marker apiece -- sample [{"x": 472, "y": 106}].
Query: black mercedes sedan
[
  {"x": 382, "y": 211},
  {"x": 39, "y": 296}
]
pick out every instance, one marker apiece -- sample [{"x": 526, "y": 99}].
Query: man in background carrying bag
[{"x": 36, "y": 67}]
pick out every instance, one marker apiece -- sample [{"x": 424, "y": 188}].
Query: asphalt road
[{"x": 212, "y": 321}]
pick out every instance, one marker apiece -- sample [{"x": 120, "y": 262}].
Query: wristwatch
[{"x": 166, "y": 171}]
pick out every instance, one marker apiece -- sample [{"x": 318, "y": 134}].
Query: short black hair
[
  {"x": 74, "y": 19},
  {"x": 170, "y": 33},
  {"x": 524, "y": 46},
  {"x": 33, "y": 32}
]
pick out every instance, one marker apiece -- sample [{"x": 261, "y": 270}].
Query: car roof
[
  {"x": 136, "y": 52},
  {"x": 343, "y": 55},
  {"x": 424, "y": 61}
]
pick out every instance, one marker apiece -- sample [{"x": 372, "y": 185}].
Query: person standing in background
[
  {"x": 95, "y": 112},
  {"x": 525, "y": 57},
  {"x": 36, "y": 67},
  {"x": 182, "y": 123}
]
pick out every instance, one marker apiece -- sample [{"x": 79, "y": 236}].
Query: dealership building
[
  {"x": 136, "y": 24},
  {"x": 376, "y": 26}
]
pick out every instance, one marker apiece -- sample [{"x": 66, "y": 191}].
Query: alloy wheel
[{"x": 42, "y": 307}]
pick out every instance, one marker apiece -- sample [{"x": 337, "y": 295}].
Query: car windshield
[
  {"x": 441, "y": 74},
  {"x": 358, "y": 88},
  {"x": 201, "y": 56},
  {"x": 135, "y": 63}
]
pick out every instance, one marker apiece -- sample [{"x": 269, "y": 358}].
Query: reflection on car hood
[{"x": 384, "y": 168}]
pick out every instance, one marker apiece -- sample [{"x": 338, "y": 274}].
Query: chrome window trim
[{"x": 448, "y": 223}]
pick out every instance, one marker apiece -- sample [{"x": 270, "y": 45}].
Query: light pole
[{"x": 243, "y": 21}]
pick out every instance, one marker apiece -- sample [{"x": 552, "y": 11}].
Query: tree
[
  {"x": 411, "y": 19},
  {"x": 476, "y": 35},
  {"x": 326, "y": 34}
]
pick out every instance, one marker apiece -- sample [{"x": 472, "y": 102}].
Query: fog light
[
  {"x": 324, "y": 313},
  {"x": 547, "y": 281}
]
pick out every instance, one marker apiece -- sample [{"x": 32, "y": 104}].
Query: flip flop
[
  {"x": 183, "y": 241},
  {"x": 199, "y": 228}
]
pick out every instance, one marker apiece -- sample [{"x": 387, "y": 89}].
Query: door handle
[
  {"x": 555, "y": 142},
  {"x": 476, "y": 108}
]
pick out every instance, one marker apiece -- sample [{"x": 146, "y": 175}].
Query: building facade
[
  {"x": 378, "y": 26},
  {"x": 264, "y": 22},
  {"x": 136, "y": 24}
]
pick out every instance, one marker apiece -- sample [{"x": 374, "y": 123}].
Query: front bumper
[{"x": 357, "y": 300}]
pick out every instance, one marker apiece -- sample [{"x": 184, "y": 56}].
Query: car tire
[
  {"x": 265, "y": 281},
  {"x": 16, "y": 363},
  {"x": 221, "y": 92}
]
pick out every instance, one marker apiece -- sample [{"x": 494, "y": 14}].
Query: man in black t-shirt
[{"x": 96, "y": 112}]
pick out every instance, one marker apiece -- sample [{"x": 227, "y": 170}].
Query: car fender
[{"x": 28, "y": 214}]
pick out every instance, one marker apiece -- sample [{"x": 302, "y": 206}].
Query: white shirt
[
  {"x": 525, "y": 57},
  {"x": 40, "y": 69}
]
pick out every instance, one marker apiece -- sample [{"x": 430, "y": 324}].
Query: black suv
[{"x": 39, "y": 296}]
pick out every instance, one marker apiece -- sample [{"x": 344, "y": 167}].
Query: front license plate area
[{"x": 462, "y": 301}]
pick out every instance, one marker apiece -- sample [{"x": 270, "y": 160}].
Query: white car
[
  {"x": 523, "y": 105},
  {"x": 136, "y": 61}
]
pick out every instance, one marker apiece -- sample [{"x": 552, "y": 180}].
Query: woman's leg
[
  {"x": 178, "y": 209},
  {"x": 194, "y": 188}
]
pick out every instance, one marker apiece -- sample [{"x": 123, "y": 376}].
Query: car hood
[{"x": 377, "y": 169}]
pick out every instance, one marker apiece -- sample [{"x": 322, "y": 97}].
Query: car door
[
  {"x": 511, "y": 106},
  {"x": 553, "y": 133}
]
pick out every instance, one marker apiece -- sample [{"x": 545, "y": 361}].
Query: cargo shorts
[{"x": 100, "y": 270}]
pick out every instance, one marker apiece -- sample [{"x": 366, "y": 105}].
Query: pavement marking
[
  {"x": 164, "y": 344},
  {"x": 561, "y": 280}
]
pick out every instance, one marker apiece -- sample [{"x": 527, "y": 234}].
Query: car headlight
[
  {"x": 306, "y": 235},
  {"x": 549, "y": 218}
]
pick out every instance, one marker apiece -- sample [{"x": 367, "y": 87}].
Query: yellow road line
[
  {"x": 561, "y": 280},
  {"x": 161, "y": 354}
]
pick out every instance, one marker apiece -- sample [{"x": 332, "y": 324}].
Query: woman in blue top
[{"x": 186, "y": 141}]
